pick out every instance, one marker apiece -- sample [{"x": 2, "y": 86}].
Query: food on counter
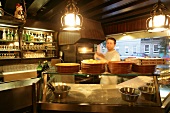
[
  {"x": 92, "y": 61},
  {"x": 91, "y": 66},
  {"x": 67, "y": 64}
]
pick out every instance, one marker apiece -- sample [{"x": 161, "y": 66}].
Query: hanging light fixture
[
  {"x": 71, "y": 20},
  {"x": 159, "y": 20}
]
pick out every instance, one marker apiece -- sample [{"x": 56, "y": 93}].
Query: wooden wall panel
[{"x": 127, "y": 26}]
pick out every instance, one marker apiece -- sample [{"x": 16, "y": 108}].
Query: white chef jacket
[{"x": 110, "y": 56}]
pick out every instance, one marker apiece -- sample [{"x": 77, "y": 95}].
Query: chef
[{"x": 110, "y": 55}]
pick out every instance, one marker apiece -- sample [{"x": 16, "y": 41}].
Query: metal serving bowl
[
  {"x": 129, "y": 94},
  {"x": 148, "y": 92},
  {"x": 61, "y": 91}
]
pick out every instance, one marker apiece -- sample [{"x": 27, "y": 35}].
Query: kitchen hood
[{"x": 91, "y": 33}]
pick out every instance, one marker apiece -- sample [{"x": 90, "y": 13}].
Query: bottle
[
  {"x": 41, "y": 37},
  {"x": 45, "y": 38},
  {"x": 28, "y": 36},
  {"x": 45, "y": 65},
  {"x": 39, "y": 69},
  {"x": 16, "y": 36},
  {"x": 8, "y": 35},
  {"x": 12, "y": 35},
  {"x": 32, "y": 37},
  {"x": 35, "y": 37},
  {"x": 51, "y": 38},
  {"x": 4, "y": 35},
  {"x": 1, "y": 10},
  {"x": 48, "y": 37},
  {"x": 23, "y": 36}
]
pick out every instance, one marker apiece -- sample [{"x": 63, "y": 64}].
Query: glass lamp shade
[
  {"x": 158, "y": 23},
  {"x": 71, "y": 21}
]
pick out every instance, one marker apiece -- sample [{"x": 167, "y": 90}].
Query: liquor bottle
[
  {"x": 32, "y": 37},
  {"x": 41, "y": 37},
  {"x": 35, "y": 37},
  {"x": 23, "y": 36},
  {"x": 4, "y": 35},
  {"x": 12, "y": 35},
  {"x": 45, "y": 38},
  {"x": 38, "y": 37},
  {"x": 48, "y": 37},
  {"x": 16, "y": 36},
  {"x": 51, "y": 38},
  {"x": 28, "y": 36},
  {"x": 45, "y": 65},
  {"x": 8, "y": 35},
  {"x": 1, "y": 10},
  {"x": 39, "y": 69}
]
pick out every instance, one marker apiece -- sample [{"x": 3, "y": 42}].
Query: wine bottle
[
  {"x": 39, "y": 69},
  {"x": 12, "y": 35},
  {"x": 4, "y": 35},
  {"x": 8, "y": 35},
  {"x": 23, "y": 36},
  {"x": 16, "y": 36}
]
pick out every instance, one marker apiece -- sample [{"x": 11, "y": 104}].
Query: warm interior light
[
  {"x": 71, "y": 20},
  {"x": 159, "y": 20},
  {"x": 84, "y": 50},
  {"x": 158, "y": 23}
]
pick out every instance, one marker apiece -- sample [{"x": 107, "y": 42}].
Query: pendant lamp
[
  {"x": 71, "y": 20},
  {"x": 159, "y": 20}
]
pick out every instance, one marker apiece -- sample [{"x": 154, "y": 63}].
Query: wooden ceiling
[{"x": 104, "y": 11}]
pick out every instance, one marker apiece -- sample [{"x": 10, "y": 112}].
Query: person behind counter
[{"x": 111, "y": 55}]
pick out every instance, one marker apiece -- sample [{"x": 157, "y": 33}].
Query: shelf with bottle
[
  {"x": 30, "y": 36},
  {"x": 8, "y": 34}
]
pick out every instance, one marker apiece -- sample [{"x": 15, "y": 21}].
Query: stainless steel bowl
[
  {"x": 61, "y": 91},
  {"x": 148, "y": 92},
  {"x": 129, "y": 94}
]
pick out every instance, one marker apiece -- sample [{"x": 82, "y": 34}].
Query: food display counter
[{"x": 103, "y": 98}]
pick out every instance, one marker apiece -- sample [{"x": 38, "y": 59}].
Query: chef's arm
[{"x": 99, "y": 56}]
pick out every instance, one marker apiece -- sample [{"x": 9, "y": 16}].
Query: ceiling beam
[
  {"x": 143, "y": 11},
  {"x": 57, "y": 10},
  {"x": 109, "y": 7},
  {"x": 125, "y": 10},
  {"x": 90, "y": 5},
  {"x": 99, "y": 15},
  {"x": 36, "y": 5}
]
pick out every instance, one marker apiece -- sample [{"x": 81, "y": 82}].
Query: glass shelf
[
  {"x": 8, "y": 40},
  {"x": 9, "y": 50},
  {"x": 53, "y": 71},
  {"x": 37, "y": 49},
  {"x": 39, "y": 58},
  {"x": 9, "y": 58},
  {"x": 39, "y": 42}
]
